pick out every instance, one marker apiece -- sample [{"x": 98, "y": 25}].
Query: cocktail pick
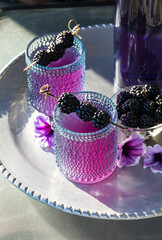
[
  {"x": 73, "y": 30},
  {"x": 45, "y": 89}
]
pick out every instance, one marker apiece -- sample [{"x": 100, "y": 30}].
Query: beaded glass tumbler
[
  {"x": 65, "y": 75},
  {"x": 86, "y": 156}
]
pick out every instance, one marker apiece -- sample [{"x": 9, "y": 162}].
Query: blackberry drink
[
  {"x": 68, "y": 58},
  {"x": 84, "y": 153},
  {"x": 137, "y": 43},
  {"x": 54, "y": 63}
]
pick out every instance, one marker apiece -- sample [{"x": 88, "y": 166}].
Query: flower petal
[
  {"x": 131, "y": 150},
  {"x": 135, "y": 140},
  {"x": 157, "y": 168},
  {"x": 157, "y": 148},
  {"x": 44, "y": 131},
  {"x": 151, "y": 158},
  {"x": 149, "y": 162},
  {"x": 128, "y": 161},
  {"x": 41, "y": 121}
]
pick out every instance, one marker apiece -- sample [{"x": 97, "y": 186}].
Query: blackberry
[
  {"x": 147, "y": 121},
  {"x": 135, "y": 89},
  {"x": 131, "y": 104},
  {"x": 158, "y": 100},
  {"x": 138, "y": 92},
  {"x": 119, "y": 111},
  {"x": 147, "y": 67},
  {"x": 130, "y": 119},
  {"x": 55, "y": 52},
  {"x": 158, "y": 114},
  {"x": 85, "y": 111},
  {"x": 42, "y": 58},
  {"x": 67, "y": 103},
  {"x": 65, "y": 39},
  {"x": 123, "y": 96},
  {"x": 152, "y": 90},
  {"x": 148, "y": 106},
  {"x": 101, "y": 119}
]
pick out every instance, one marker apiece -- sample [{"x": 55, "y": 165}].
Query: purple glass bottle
[{"x": 137, "y": 42}]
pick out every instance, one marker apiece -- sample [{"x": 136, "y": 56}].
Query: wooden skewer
[
  {"x": 45, "y": 89},
  {"x": 30, "y": 66},
  {"x": 73, "y": 30}
]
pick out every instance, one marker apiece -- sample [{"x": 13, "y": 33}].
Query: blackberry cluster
[
  {"x": 159, "y": 100},
  {"x": 65, "y": 39},
  {"x": 143, "y": 108},
  {"x": 138, "y": 92},
  {"x": 123, "y": 96},
  {"x": 68, "y": 103},
  {"x": 147, "y": 121},
  {"x": 42, "y": 58},
  {"x": 119, "y": 110},
  {"x": 152, "y": 90},
  {"x": 85, "y": 111},
  {"x": 131, "y": 104},
  {"x": 100, "y": 119},
  {"x": 158, "y": 113},
  {"x": 148, "y": 107},
  {"x": 56, "y": 50},
  {"x": 130, "y": 119}
]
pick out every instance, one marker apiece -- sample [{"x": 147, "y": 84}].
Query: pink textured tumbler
[
  {"x": 85, "y": 154},
  {"x": 65, "y": 75}
]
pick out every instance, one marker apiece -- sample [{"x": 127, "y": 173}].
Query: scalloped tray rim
[{"x": 70, "y": 209}]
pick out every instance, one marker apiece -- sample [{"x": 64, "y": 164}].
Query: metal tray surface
[{"x": 129, "y": 193}]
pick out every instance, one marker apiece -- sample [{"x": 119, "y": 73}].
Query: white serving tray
[{"x": 129, "y": 193}]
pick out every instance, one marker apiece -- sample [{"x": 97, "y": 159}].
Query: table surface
[{"x": 21, "y": 217}]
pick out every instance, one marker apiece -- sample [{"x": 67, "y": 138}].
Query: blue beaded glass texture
[
  {"x": 65, "y": 75},
  {"x": 86, "y": 157}
]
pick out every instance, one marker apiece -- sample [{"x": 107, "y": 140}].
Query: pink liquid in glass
[
  {"x": 68, "y": 58},
  {"x": 83, "y": 153},
  {"x": 65, "y": 75},
  {"x": 73, "y": 123}
]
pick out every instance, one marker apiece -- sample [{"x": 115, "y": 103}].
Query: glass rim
[
  {"x": 53, "y": 68},
  {"x": 134, "y": 129},
  {"x": 109, "y": 127}
]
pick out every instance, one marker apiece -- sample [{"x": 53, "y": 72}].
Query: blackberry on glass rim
[
  {"x": 67, "y": 103},
  {"x": 85, "y": 111},
  {"x": 65, "y": 75},
  {"x": 57, "y": 47}
]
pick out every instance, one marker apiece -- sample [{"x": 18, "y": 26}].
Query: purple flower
[
  {"x": 43, "y": 131},
  {"x": 153, "y": 158},
  {"x": 131, "y": 150}
]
